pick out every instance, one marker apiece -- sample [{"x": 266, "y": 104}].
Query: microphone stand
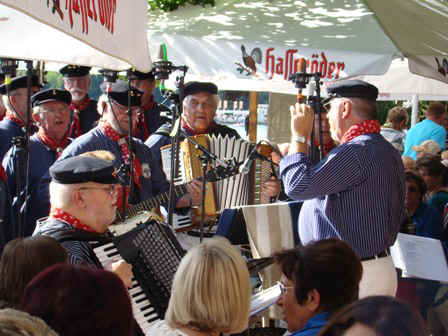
[
  {"x": 206, "y": 158},
  {"x": 130, "y": 165},
  {"x": 22, "y": 156},
  {"x": 175, "y": 142}
]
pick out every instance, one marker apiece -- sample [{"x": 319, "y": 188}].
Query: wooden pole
[{"x": 253, "y": 116}]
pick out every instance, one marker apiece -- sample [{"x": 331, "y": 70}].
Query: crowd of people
[{"x": 371, "y": 183}]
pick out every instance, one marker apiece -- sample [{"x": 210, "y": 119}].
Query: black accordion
[{"x": 154, "y": 254}]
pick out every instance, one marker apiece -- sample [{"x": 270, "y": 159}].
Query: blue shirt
[
  {"x": 313, "y": 325},
  {"x": 41, "y": 158},
  {"x": 424, "y": 130},
  {"x": 356, "y": 193},
  {"x": 428, "y": 222},
  {"x": 8, "y": 130}
]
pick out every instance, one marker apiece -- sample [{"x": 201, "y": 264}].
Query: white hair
[
  {"x": 214, "y": 96},
  {"x": 61, "y": 194}
]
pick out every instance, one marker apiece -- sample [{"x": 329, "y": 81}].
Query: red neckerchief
[
  {"x": 2, "y": 173},
  {"x": 367, "y": 126},
  {"x": 141, "y": 119},
  {"x": 121, "y": 140},
  {"x": 191, "y": 131},
  {"x": 150, "y": 104},
  {"x": 57, "y": 147},
  {"x": 73, "y": 221},
  {"x": 11, "y": 116},
  {"x": 77, "y": 108}
]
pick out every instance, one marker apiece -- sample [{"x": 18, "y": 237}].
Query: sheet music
[
  {"x": 420, "y": 257},
  {"x": 264, "y": 299}
]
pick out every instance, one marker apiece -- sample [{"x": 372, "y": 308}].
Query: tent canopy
[{"x": 337, "y": 38}]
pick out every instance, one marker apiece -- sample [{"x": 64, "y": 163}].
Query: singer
[
  {"x": 199, "y": 109},
  {"x": 84, "y": 113},
  {"x": 148, "y": 119},
  {"x": 356, "y": 193}
]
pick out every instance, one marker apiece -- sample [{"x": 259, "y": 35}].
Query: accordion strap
[{"x": 78, "y": 235}]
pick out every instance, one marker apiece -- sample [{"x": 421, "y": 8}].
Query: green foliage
[{"x": 170, "y": 5}]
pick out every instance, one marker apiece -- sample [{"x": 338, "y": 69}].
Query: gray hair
[
  {"x": 214, "y": 96},
  {"x": 61, "y": 194}
]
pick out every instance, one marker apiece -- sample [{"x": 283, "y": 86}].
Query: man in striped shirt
[{"x": 356, "y": 193}]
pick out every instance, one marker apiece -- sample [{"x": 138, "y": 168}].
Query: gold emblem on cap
[{"x": 54, "y": 92}]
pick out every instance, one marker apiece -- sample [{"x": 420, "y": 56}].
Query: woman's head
[
  {"x": 415, "y": 190},
  {"x": 22, "y": 259},
  {"x": 79, "y": 300},
  {"x": 432, "y": 170},
  {"x": 211, "y": 290},
  {"x": 381, "y": 315}
]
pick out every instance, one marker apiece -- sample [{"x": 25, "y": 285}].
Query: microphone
[
  {"x": 300, "y": 78},
  {"x": 162, "y": 67},
  {"x": 245, "y": 166}
]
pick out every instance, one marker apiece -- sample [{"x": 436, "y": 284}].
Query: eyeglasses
[
  {"x": 124, "y": 109},
  {"x": 109, "y": 189},
  {"x": 327, "y": 106},
  {"x": 283, "y": 288}
]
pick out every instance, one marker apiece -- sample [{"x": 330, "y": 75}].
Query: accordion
[
  {"x": 241, "y": 189},
  {"x": 154, "y": 254}
]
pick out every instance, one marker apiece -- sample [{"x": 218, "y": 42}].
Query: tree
[{"x": 170, "y": 5}]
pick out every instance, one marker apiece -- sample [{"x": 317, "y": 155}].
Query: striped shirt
[{"x": 356, "y": 193}]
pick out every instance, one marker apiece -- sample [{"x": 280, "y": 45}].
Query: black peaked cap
[
  {"x": 74, "y": 70},
  {"x": 353, "y": 88},
  {"x": 49, "y": 95},
  {"x": 82, "y": 169},
  {"x": 19, "y": 83}
]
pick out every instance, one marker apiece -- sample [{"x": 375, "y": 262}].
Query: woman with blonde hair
[{"x": 210, "y": 293}]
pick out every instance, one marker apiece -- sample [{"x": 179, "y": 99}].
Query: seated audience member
[
  {"x": 392, "y": 130},
  {"x": 375, "y": 316},
  {"x": 78, "y": 300},
  {"x": 408, "y": 162},
  {"x": 435, "y": 175},
  {"x": 17, "y": 323},
  {"x": 430, "y": 147},
  {"x": 318, "y": 279},
  {"x": 425, "y": 221},
  {"x": 210, "y": 293},
  {"x": 444, "y": 157},
  {"x": 22, "y": 259}
]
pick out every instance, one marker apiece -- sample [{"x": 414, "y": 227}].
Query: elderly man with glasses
[
  {"x": 83, "y": 194},
  {"x": 356, "y": 193}
]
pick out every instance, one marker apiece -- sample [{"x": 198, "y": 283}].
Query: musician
[
  {"x": 149, "y": 118},
  {"x": 199, "y": 109},
  {"x": 77, "y": 81},
  {"x": 15, "y": 100},
  {"x": 210, "y": 293},
  {"x": 317, "y": 280},
  {"x": 111, "y": 134},
  {"x": 356, "y": 193},
  {"x": 51, "y": 113},
  {"x": 83, "y": 195}
]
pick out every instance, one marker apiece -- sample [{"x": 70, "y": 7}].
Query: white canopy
[
  {"x": 105, "y": 33},
  {"x": 337, "y": 38}
]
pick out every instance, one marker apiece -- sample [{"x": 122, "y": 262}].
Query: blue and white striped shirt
[{"x": 356, "y": 193}]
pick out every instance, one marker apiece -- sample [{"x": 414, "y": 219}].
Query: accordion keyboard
[{"x": 144, "y": 312}]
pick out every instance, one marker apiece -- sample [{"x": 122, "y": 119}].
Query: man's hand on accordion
[
  {"x": 193, "y": 198},
  {"x": 123, "y": 270},
  {"x": 272, "y": 187}
]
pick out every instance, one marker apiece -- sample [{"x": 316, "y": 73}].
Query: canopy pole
[
  {"x": 414, "y": 115},
  {"x": 253, "y": 116}
]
